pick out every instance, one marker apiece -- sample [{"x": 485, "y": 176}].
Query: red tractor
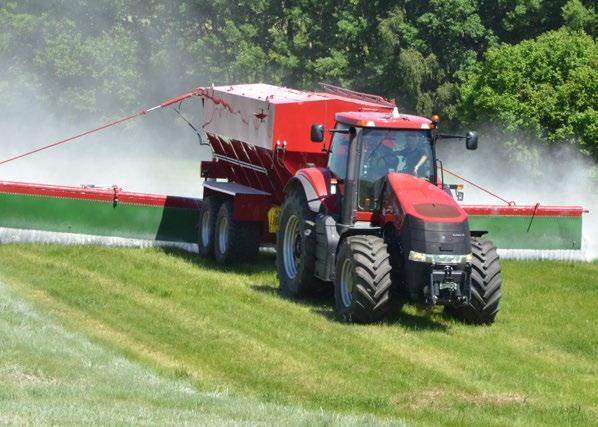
[{"x": 363, "y": 205}]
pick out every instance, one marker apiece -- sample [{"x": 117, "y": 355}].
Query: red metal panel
[
  {"x": 530, "y": 210},
  {"x": 264, "y": 115},
  {"x": 319, "y": 179},
  {"x": 213, "y": 169},
  {"x": 424, "y": 200},
  {"x": 255, "y": 166},
  {"x": 293, "y": 121},
  {"x": 364, "y": 216},
  {"x": 251, "y": 208},
  {"x": 98, "y": 194}
]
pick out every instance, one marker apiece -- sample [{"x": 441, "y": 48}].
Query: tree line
[{"x": 528, "y": 69}]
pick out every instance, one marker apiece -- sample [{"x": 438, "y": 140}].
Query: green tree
[
  {"x": 542, "y": 89},
  {"x": 577, "y": 16},
  {"x": 428, "y": 47},
  {"x": 115, "y": 55},
  {"x": 515, "y": 20}
]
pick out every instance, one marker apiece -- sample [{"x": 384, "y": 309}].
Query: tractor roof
[{"x": 384, "y": 120}]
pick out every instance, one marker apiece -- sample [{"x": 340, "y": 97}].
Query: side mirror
[
  {"x": 471, "y": 140},
  {"x": 317, "y": 133}
]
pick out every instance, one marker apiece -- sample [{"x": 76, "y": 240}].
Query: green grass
[
  {"x": 50, "y": 376},
  {"x": 230, "y": 330}
]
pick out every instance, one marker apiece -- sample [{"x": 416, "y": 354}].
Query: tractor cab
[
  {"x": 366, "y": 147},
  {"x": 380, "y": 151}
]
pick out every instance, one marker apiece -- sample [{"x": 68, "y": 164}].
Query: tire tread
[
  {"x": 372, "y": 279},
  {"x": 486, "y": 283}
]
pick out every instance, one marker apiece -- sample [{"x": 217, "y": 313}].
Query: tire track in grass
[{"x": 49, "y": 375}]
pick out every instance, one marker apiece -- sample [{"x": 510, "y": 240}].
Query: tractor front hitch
[{"x": 448, "y": 285}]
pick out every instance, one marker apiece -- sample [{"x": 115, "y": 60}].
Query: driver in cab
[{"x": 397, "y": 152}]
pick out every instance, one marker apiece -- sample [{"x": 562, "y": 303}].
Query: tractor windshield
[{"x": 392, "y": 150}]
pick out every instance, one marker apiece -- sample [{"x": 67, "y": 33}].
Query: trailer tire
[
  {"x": 234, "y": 241},
  {"x": 296, "y": 247},
  {"x": 208, "y": 212},
  {"x": 362, "y": 282},
  {"x": 486, "y": 282}
]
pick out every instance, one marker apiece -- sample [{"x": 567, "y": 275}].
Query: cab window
[
  {"x": 392, "y": 150},
  {"x": 339, "y": 152}
]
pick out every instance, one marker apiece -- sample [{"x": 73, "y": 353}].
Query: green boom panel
[
  {"x": 530, "y": 232},
  {"x": 34, "y": 212},
  {"x": 176, "y": 222}
]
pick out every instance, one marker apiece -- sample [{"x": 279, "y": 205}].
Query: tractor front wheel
[
  {"x": 486, "y": 281},
  {"x": 363, "y": 279},
  {"x": 234, "y": 241}
]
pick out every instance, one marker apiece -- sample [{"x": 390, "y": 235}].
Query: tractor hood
[
  {"x": 431, "y": 222},
  {"x": 423, "y": 200}
]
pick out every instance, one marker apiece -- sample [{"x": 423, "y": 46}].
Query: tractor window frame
[
  {"x": 337, "y": 161},
  {"x": 366, "y": 187}
]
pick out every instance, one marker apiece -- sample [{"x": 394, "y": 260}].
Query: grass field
[
  {"x": 51, "y": 376},
  {"x": 160, "y": 320}
]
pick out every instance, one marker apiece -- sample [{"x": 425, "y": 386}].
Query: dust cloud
[
  {"x": 527, "y": 174},
  {"x": 156, "y": 153}
]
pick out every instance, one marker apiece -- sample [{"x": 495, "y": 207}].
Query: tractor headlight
[
  {"x": 418, "y": 257},
  {"x": 440, "y": 259}
]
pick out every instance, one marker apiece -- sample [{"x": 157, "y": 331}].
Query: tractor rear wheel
[
  {"x": 296, "y": 246},
  {"x": 362, "y": 281},
  {"x": 206, "y": 225},
  {"x": 234, "y": 241},
  {"x": 486, "y": 281}
]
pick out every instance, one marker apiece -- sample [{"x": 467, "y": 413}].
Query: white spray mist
[
  {"x": 549, "y": 175},
  {"x": 156, "y": 154}
]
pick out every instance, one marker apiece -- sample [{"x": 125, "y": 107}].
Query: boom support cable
[
  {"x": 510, "y": 203},
  {"x": 179, "y": 98},
  {"x": 191, "y": 125}
]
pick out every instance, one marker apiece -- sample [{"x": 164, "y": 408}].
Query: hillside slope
[
  {"x": 51, "y": 376},
  {"x": 230, "y": 330}
]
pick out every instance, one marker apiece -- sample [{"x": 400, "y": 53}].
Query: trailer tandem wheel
[
  {"x": 234, "y": 241},
  {"x": 208, "y": 212}
]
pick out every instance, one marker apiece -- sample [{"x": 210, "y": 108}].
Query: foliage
[
  {"x": 113, "y": 56},
  {"x": 544, "y": 89}
]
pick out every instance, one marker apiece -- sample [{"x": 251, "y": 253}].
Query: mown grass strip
[
  {"x": 51, "y": 376},
  {"x": 230, "y": 329}
]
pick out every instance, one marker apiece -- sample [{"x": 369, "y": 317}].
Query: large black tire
[
  {"x": 486, "y": 281},
  {"x": 362, "y": 281},
  {"x": 234, "y": 241},
  {"x": 207, "y": 224},
  {"x": 296, "y": 247}
]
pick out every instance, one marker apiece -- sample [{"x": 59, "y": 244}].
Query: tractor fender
[{"x": 314, "y": 182}]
